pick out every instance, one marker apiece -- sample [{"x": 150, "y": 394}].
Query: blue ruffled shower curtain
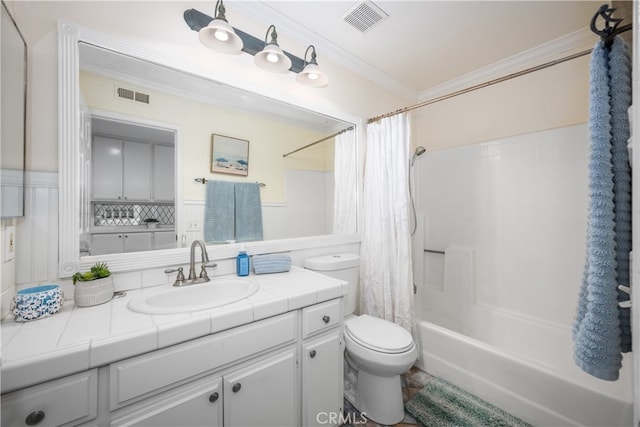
[{"x": 601, "y": 330}]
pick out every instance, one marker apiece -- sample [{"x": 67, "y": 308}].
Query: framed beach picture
[{"x": 229, "y": 155}]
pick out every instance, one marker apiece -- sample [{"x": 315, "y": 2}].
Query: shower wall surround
[{"x": 519, "y": 206}]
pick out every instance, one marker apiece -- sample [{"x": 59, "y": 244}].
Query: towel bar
[
  {"x": 431, "y": 251},
  {"x": 204, "y": 181}
]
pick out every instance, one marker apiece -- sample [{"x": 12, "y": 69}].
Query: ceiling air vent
[
  {"x": 364, "y": 15},
  {"x": 132, "y": 95}
]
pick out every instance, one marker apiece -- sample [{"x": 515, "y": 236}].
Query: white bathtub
[{"x": 526, "y": 390}]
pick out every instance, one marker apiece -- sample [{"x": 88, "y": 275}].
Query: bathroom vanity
[{"x": 274, "y": 358}]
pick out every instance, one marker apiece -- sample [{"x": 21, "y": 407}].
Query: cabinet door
[
  {"x": 137, "y": 171},
  {"x": 163, "y": 173},
  {"x": 107, "y": 168},
  {"x": 71, "y": 399},
  {"x": 164, "y": 240},
  {"x": 106, "y": 243},
  {"x": 322, "y": 365},
  {"x": 198, "y": 404},
  {"x": 135, "y": 242},
  {"x": 262, "y": 394}
]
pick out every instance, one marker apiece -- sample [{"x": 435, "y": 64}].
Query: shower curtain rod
[
  {"x": 318, "y": 141},
  {"x": 480, "y": 86},
  {"x": 607, "y": 33}
]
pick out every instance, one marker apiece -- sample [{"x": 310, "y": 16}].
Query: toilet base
[{"x": 380, "y": 398}]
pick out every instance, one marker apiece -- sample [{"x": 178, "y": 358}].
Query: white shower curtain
[
  {"x": 345, "y": 176},
  {"x": 385, "y": 269}
]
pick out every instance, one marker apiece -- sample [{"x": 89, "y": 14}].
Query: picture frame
[{"x": 229, "y": 155}]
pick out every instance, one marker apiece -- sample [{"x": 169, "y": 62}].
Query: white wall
[{"x": 513, "y": 214}]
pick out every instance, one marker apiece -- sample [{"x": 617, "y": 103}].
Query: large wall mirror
[
  {"x": 13, "y": 108},
  {"x": 134, "y": 177}
]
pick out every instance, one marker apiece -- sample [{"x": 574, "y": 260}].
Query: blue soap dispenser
[{"x": 242, "y": 262}]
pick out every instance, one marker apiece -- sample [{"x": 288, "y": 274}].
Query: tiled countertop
[{"x": 80, "y": 338}]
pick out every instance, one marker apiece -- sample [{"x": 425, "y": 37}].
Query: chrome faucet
[
  {"x": 193, "y": 279},
  {"x": 205, "y": 263}
]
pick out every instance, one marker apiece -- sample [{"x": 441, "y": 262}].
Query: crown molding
[
  {"x": 571, "y": 43},
  {"x": 555, "y": 49},
  {"x": 325, "y": 48}
]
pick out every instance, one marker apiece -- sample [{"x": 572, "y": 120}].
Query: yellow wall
[
  {"x": 546, "y": 99},
  {"x": 268, "y": 139}
]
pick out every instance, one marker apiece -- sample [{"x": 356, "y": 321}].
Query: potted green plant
[
  {"x": 93, "y": 287},
  {"x": 151, "y": 222}
]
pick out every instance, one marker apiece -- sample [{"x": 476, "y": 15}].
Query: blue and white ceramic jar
[{"x": 36, "y": 303}]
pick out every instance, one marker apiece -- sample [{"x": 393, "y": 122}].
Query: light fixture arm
[
  {"x": 313, "y": 55},
  {"x": 274, "y": 35},
  {"x": 220, "y": 11}
]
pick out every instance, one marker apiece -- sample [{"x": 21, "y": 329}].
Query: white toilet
[{"x": 378, "y": 349}]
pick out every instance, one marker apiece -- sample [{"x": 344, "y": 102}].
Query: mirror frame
[
  {"x": 19, "y": 179},
  {"x": 69, "y": 261}
]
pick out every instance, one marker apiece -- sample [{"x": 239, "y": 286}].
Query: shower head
[{"x": 420, "y": 150}]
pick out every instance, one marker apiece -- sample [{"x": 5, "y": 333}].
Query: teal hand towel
[
  {"x": 248, "y": 214},
  {"x": 219, "y": 212}
]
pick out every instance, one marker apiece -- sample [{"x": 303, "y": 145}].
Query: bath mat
[{"x": 442, "y": 404}]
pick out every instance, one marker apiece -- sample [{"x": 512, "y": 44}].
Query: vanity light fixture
[
  {"x": 219, "y": 35},
  {"x": 272, "y": 58},
  {"x": 311, "y": 75},
  {"x": 267, "y": 56}
]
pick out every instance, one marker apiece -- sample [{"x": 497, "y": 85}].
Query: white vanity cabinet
[
  {"x": 65, "y": 401},
  {"x": 322, "y": 393},
  {"x": 193, "y": 405},
  {"x": 252, "y": 369},
  {"x": 262, "y": 394},
  {"x": 284, "y": 370},
  {"x": 322, "y": 352}
]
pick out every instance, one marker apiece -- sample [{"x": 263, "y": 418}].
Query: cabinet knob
[
  {"x": 236, "y": 387},
  {"x": 326, "y": 319},
  {"x": 213, "y": 397},
  {"x": 34, "y": 418},
  {"x": 312, "y": 354}
]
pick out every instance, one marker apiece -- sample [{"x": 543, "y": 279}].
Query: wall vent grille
[
  {"x": 364, "y": 15},
  {"x": 132, "y": 95}
]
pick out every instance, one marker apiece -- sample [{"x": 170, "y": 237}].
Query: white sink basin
[{"x": 203, "y": 296}]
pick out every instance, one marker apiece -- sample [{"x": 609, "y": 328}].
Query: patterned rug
[{"x": 442, "y": 404}]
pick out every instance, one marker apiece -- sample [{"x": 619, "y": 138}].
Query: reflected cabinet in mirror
[
  {"x": 165, "y": 157},
  {"x": 12, "y": 122}
]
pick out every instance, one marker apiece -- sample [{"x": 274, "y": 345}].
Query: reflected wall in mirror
[
  {"x": 13, "y": 113},
  {"x": 298, "y": 190}
]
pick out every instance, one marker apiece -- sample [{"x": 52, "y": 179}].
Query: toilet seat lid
[{"x": 378, "y": 334}]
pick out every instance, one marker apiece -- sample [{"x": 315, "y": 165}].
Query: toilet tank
[{"x": 343, "y": 266}]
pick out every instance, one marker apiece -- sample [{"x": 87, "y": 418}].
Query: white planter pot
[{"x": 94, "y": 292}]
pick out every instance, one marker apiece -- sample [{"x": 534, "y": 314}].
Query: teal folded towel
[{"x": 271, "y": 263}]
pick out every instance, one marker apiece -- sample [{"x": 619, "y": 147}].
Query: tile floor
[{"x": 412, "y": 382}]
